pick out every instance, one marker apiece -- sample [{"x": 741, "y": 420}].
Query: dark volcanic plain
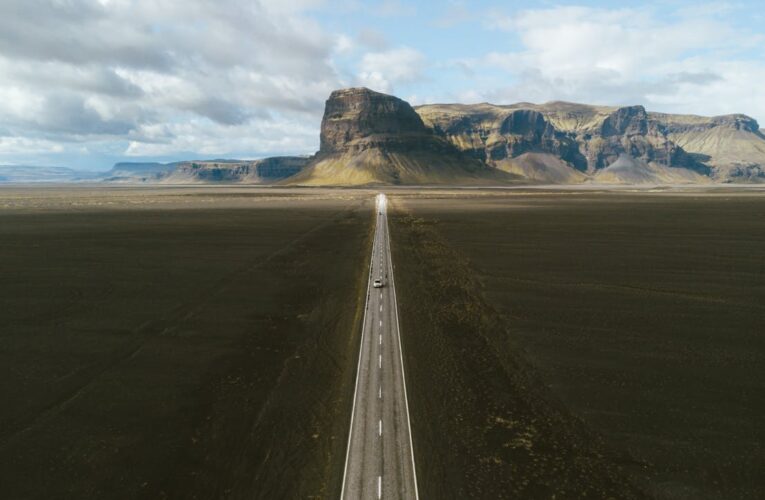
[
  {"x": 202, "y": 342},
  {"x": 178, "y": 343},
  {"x": 581, "y": 342}
]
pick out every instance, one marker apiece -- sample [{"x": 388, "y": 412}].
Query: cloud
[
  {"x": 91, "y": 70},
  {"x": 373, "y": 39},
  {"x": 394, "y": 8},
  {"x": 454, "y": 12},
  {"x": 384, "y": 70},
  {"x": 198, "y": 137},
  {"x": 673, "y": 60},
  {"x": 181, "y": 78}
]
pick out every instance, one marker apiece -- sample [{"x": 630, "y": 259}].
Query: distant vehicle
[{"x": 378, "y": 283}]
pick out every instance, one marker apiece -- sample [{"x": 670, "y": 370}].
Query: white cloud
[
  {"x": 373, "y": 38},
  {"x": 384, "y": 70},
  {"x": 393, "y": 8},
  {"x": 200, "y": 137},
  {"x": 688, "y": 61},
  {"x": 80, "y": 70},
  {"x": 23, "y": 145}
]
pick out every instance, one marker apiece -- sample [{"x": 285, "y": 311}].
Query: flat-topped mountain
[
  {"x": 357, "y": 118},
  {"x": 567, "y": 142},
  {"x": 264, "y": 171},
  {"x": 371, "y": 138}
]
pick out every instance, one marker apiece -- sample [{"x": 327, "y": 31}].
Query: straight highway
[{"x": 379, "y": 459}]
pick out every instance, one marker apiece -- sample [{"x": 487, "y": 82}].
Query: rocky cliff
[
  {"x": 372, "y": 138},
  {"x": 369, "y": 138},
  {"x": 733, "y": 146},
  {"x": 558, "y": 141},
  {"x": 265, "y": 171}
]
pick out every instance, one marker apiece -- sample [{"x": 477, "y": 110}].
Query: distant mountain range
[
  {"x": 368, "y": 137},
  {"x": 265, "y": 171},
  {"x": 373, "y": 138},
  {"x": 29, "y": 173}
]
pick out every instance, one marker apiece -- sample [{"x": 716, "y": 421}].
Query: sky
[{"x": 87, "y": 83}]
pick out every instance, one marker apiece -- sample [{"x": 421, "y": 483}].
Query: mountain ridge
[
  {"x": 725, "y": 148},
  {"x": 369, "y": 138},
  {"x": 372, "y": 138}
]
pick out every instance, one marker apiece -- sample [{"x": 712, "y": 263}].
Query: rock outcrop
[
  {"x": 356, "y": 119},
  {"x": 265, "y": 171},
  {"x": 641, "y": 146},
  {"x": 371, "y": 138},
  {"x": 732, "y": 146}
]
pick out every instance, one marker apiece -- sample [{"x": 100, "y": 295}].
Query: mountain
[
  {"x": 373, "y": 138},
  {"x": 139, "y": 172},
  {"x": 264, "y": 171},
  {"x": 732, "y": 145},
  {"x": 605, "y": 144},
  {"x": 29, "y": 173}
]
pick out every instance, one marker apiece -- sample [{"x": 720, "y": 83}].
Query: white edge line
[
  {"x": 400, "y": 352},
  {"x": 358, "y": 367}
]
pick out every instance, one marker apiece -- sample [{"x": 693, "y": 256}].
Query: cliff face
[
  {"x": 356, "y": 119},
  {"x": 528, "y": 138},
  {"x": 265, "y": 171},
  {"x": 372, "y": 138},
  {"x": 630, "y": 132},
  {"x": 369, "y": 138},
  {"x": 733, "y": 146}
]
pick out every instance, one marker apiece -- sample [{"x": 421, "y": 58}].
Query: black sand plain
[
  {"x": 582, "y": 343},
  {"x": 178, "y": 343},
  {"x": 202, "y": 342}
]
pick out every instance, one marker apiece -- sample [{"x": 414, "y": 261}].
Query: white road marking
[
  {"x": 403, "y": 377},
  {"x": 356, "y": 386},
  {"x": 385, "y": 263}
]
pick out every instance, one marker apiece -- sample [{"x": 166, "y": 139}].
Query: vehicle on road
[{"x": 378, "y": 283}]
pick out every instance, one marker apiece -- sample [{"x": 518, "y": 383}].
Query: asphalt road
[{"x": 380, "y": 461}]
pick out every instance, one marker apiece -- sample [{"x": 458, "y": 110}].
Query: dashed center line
[
  {"x": 379, "y": 427},
  {"x": 379, "y": 361}
]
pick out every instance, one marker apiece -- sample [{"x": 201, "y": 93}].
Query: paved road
[{"x": 379, "y": 461}]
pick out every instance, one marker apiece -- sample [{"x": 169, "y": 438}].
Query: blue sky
[{"x": 86, "y": 83}]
